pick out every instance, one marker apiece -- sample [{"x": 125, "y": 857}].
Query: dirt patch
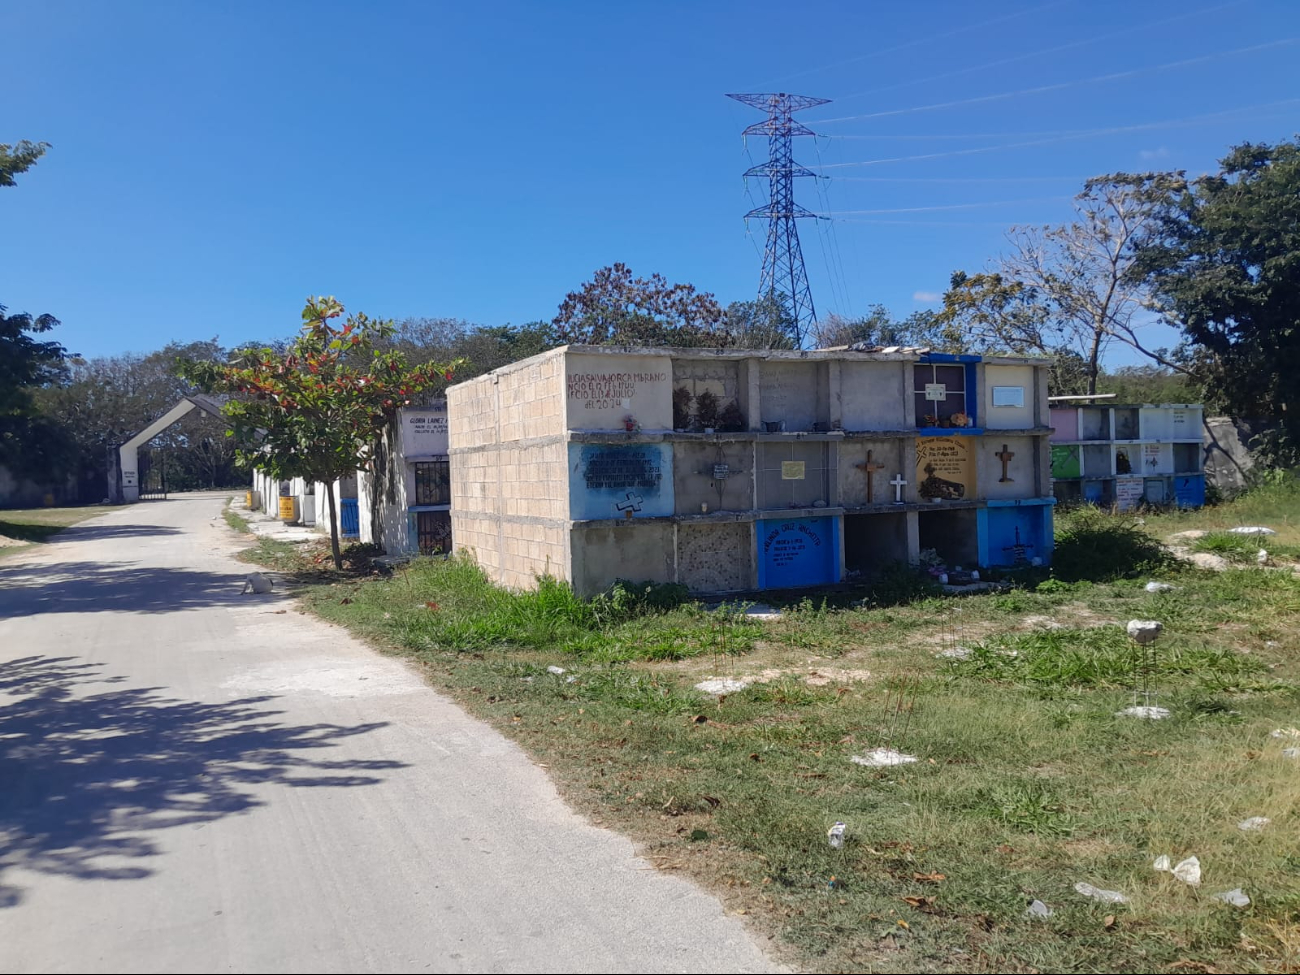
[{"x": 1078, "y": 616}]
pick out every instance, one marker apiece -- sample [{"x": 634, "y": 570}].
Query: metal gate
[{"x": 152, "y": 465}]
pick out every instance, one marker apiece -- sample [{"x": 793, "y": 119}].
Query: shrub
[{"x": 1097, "y": 546}]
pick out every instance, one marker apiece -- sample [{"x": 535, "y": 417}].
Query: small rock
[
  {"x": 1253, "y": 824},
  {"x": 1037, "y": 908},
  {"x": 1191, "y": 535},
  {"x": 722, "y": 685},
  {"x": 1262, "y": 557},
  {"x": 956, "y": 653},
  {"x": 1159, "y": 587},
  {"x": 258, "y": 582},
  {"x": 1147, "y": 711},
  {"x": 557, "y": 671},
  {"x": 882, "y": 758},
  {"x": 1252, "y": 530},
  {"x": 1144, "y": 632},
  {"x": 1097, "y": 894},
  {"x": 1208, "y": 560},
  {"x": 1236, "y": 897}
]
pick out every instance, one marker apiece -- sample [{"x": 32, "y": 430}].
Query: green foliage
[
  {"x": 17, "y": 159},
  {"x": 614, "y": 308},
  {"x": 1098, "y": 546},
  {"x": 314, "y": 410},
  {"x": 682, "y": 399},
  {"x": 1101, "y": 656},
  {"x": 761, "y": 324},
  {"x": 29, "y": 440},
  {"x": 1223, "y": 263},
  {"x": 706, "y": 410},
  {"x": 625, "y": 600},
  {"x": 878, "y": 327}
]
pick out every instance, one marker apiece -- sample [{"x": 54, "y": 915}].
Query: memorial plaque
[
  {"x": 945, "y": 468},
  {"x": 792, "y": 470}
]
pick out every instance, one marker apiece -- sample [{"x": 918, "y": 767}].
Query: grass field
[
  {"x": 1026, "y": 781},
  {"x": 21, "y": 529}
]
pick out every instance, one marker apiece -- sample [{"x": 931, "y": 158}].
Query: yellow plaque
[
  {"x": 792, "y": 470},
  {"x": 945, "y": 468}
]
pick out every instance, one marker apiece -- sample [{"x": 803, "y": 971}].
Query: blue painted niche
[
  {"x": 1189, "y": 490},
  {"x": 607, "y": 480},
  {"x": 795, "y": 552},
  {"x": 1008, "y": 531}
]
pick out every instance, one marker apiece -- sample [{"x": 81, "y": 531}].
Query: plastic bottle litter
[
  {"x": 1037, "y": 908},
  {"x": 1159, "y": 587},
  {"x": 557, "y": 671},
  {"x": 1236, "y": 897},
  {"x": 1252, "y": 530},
  {"x": 1097, "y": 894},
  {"x": 835, "y": 835}
]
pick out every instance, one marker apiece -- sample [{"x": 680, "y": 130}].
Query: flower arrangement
[{"x": 631, "y": 424}]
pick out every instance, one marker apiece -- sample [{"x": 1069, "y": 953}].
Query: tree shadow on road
[
  {"x": 115, "y": 587},
  {"x": 90, "y": 768}
]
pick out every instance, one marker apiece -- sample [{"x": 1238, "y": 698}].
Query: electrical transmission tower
[{"x": 784, "y": 279}]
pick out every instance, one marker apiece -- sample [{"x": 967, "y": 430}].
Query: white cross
[{"x": 899, "y": 484}]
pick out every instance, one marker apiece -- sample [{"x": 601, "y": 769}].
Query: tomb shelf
[
  {"x": 952, "y": 431},
  {"x": 713, "y": 517},
  {"x": 884, "y": 509}
]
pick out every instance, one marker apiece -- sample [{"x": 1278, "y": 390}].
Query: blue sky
[{"x": 215, "y": 163}]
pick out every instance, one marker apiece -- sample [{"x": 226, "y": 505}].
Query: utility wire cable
[
  {"x": 1040, "y": 89},
  {"x": 1081, "y": 134},
  {"x": 1046, "y": 51},
  {"x": 928, "y": 39}
]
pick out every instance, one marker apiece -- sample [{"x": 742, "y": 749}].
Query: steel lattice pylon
[{"x": 784, "y": 278}]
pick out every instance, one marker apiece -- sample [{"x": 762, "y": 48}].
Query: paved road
[{"x": 192, "y": 780}]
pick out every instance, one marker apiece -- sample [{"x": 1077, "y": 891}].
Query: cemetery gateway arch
[{"x": 124, "y": 461}]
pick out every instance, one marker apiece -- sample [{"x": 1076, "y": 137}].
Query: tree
[
  {"x": 614, "y": 308},
  {"x": 764, "y": 323},
  {"x": 28, "y": 440},
  {"x": 105, "y": 401},
  {"x": 1073, "y": 286},
  {"x": 1224, "y": 261},
  {"x": 315, "y": 410},
  {"x": 877, "y": 327},
  {"x": 19, "y": 158}
]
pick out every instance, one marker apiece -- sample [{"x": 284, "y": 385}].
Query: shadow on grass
[{"x": 90, "y": 768}]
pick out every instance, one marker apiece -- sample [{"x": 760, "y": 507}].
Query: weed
[{"x": 1096, "y": 546}]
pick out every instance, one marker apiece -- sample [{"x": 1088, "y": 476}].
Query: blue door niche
[
  {"x": 797, "y": 552},
  {"x": 1015, "y": 535}
]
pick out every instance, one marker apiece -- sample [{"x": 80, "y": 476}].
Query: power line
[
  {"x": 1050, "y": 50},
  {"x": 1081, "y": 134},
  {"x": 1114, "y": 76},
  {"x": 928, "y": 39},
  {"x": 960, "y": 179},
  {"x": 947, "y": 206}
]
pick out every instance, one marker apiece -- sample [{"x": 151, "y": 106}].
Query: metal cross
[
  {"x": 870, "y": 467},
  {"x": 1005, "y": 456}
]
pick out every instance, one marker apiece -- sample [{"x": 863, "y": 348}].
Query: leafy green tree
[
  {"x": 1224, "y": 261},
  {"x": 764, "y": 323},
  {"x": 315, "y": 410},
  {"x": 614, "y": 308},
  {"x": 30, "y": 442},
  {"x": 17, "y": 159},
  {"x": 878, "y": 327}
]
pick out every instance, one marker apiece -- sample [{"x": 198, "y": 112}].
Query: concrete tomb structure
[
  {"x": 1125, "y": 455},
  {"x": 400, "y": 501},
  {"x": 730, "y": 470}
]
